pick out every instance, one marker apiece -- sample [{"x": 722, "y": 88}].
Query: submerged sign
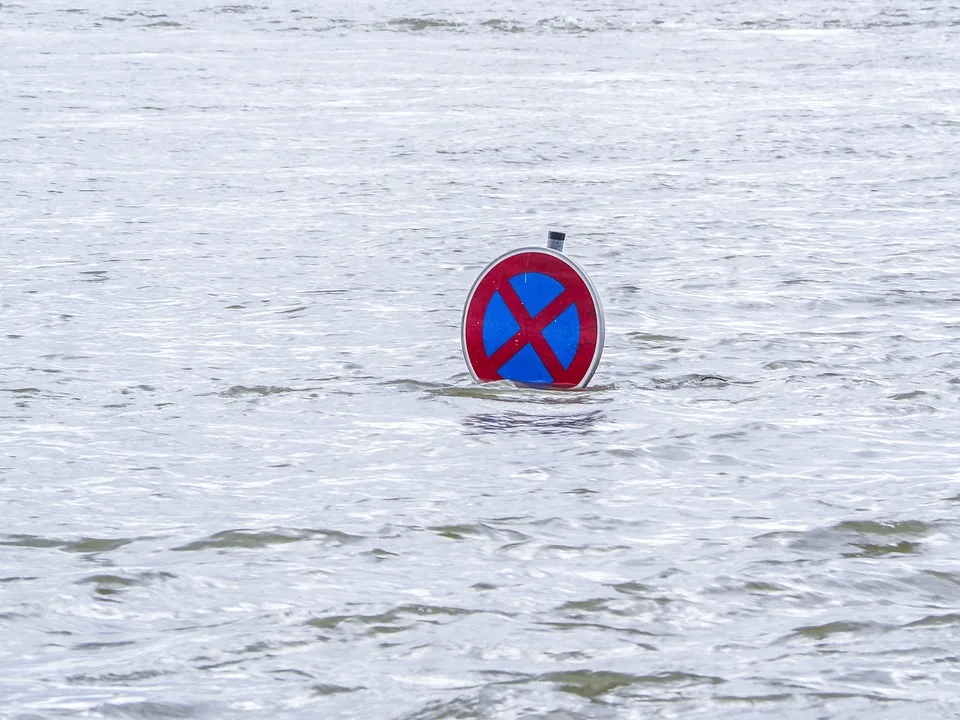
[{"x": 533, "y": 316}]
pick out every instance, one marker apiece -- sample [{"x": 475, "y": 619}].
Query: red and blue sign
[{"x": 533, "y": 317}]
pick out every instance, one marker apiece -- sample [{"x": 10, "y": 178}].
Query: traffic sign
[{"x": 533, "y": 316}]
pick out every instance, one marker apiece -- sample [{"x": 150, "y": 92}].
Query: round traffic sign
[{"x": 533, "y": 316}]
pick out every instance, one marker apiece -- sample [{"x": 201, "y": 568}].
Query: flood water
[{"x": 244, "y": 472}]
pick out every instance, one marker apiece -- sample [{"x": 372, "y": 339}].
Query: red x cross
[{"x": 531, "y": 330}]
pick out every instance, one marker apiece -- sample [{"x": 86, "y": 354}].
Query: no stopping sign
[{"x": 533, "y": 316}]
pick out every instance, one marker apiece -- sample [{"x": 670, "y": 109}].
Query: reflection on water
[
  {"x": 483, "y": 423},
  {"x": 511, "y": 392}
]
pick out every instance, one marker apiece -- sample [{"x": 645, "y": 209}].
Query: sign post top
[
  {"x": 555, "y": 240},
  {"x": 533, "y": 317}
]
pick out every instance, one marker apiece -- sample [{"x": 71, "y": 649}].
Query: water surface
[{"x": 244, "y": 472}]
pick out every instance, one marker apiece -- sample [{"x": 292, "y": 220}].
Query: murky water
[{"x": 243, "y": 470}]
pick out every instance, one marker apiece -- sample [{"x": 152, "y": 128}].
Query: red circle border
[{"x": 574, "y": 280}]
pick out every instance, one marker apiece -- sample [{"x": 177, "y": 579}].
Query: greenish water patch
[
  {"x": 828, "y": 630},
  {"x": 415, "y": 24},
  {"x": 252, "y": 539},
  {"x": 592, "y": 684},
  {"x": 83, "y": 545}
]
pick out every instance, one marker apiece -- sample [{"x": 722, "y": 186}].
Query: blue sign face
[{"x": 535, "y": 291}]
